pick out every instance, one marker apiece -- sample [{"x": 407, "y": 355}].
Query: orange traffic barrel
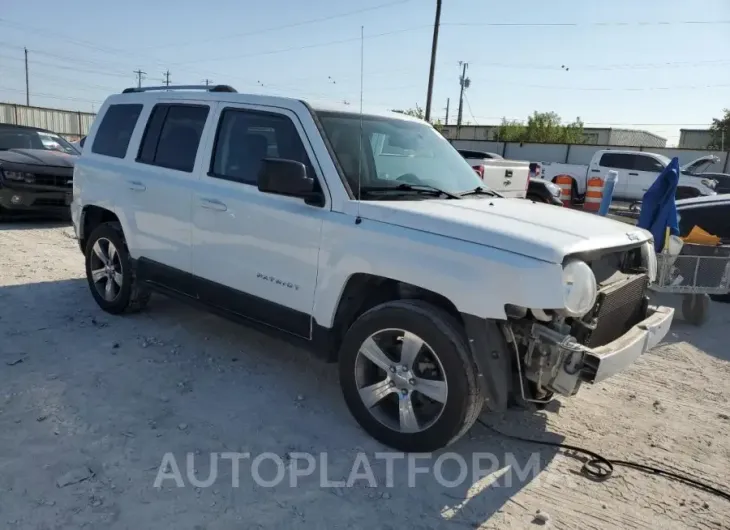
[
  {"x": 594, "y": 194},
  {"x": 565, "y": 183}
]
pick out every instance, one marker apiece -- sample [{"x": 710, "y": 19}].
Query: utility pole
[
  {"x": 167, "y": 78},
  {"x": 139, "y": 73},
  {"x": 27, "y": 86},
  {"x": 434, "y": 45},
  {"x": 464, "y": 82},
  {"x": 207, "y": 81},
  {"x": 446, "y": 121}
]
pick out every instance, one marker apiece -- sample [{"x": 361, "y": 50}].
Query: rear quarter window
[{"x": 115, "y": 130}]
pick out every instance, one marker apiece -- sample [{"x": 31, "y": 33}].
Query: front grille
[
  {"x": 49, "y": 202},
  {"x": 53, "y": 180},
  {"x": 619, "y": 307}
]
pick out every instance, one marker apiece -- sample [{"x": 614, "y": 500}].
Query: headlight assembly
[
  {"x": 14, "y": 175},
  {"x": 579, "y": 288},
  {"x": 649, "y": 258}
]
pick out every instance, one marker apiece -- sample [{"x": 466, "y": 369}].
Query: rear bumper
[{"x": 606, "y": 361}]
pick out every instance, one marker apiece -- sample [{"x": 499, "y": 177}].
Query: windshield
[
  {"x": 395, "y": 152},
  {"x": 31, "y": 139}
]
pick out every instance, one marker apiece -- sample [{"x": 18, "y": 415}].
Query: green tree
[
  {"x": 720, "y": 131},
  {"x": 416, "y": 113},
  {"x": 511, "y": 131},
  {"x": 543, "y": 127}
]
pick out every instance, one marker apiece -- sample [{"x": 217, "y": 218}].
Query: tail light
[{"x": 480, "y": 171}]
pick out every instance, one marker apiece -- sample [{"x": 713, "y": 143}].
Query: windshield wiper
[
  {"x": 418, "y": 188},
  {"x": 481, "y": 191}
]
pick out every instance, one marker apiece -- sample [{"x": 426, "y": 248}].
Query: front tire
[
  {"x": 110, "y": 273},
  {"x": 408, "y": 378}
]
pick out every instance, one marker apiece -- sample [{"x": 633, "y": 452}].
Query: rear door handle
[
  {"x": 213, "y": 204},
  {"x": 136, "y": 185},
  {"x": 634, "y": 174}
]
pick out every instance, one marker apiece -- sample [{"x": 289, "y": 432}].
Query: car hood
[
  {"x": 36, "y": 157},
  {"x": 537, "y": 230},
  {"x": 693, "y": 166}
]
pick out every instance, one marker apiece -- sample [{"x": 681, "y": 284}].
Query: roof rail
[{"x": 207, "y": 88}]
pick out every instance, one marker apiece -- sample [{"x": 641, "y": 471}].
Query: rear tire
[
  {"x": 110, "y": 273},
  {"x": 441, "y": 376}
]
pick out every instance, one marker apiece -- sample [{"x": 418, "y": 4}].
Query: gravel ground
[{"x": 90, "y": 404}]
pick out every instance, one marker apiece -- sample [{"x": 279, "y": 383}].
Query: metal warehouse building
[
  {"x": 70, "y": 124},
  {"x": 695, "y": 138},
  {"x": 592, "y": 135}
]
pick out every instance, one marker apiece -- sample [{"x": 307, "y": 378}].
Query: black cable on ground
[{"x": 600, "y": 468}]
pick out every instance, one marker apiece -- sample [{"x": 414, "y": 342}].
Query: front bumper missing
[
  {"x": 556, "y": 362},
  {"x": 606, "y": 361}
]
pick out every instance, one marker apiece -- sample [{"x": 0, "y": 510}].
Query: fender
[{"x": 479, "y": 280}]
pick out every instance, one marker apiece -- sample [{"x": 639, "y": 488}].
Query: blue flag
[{"x": 658, "y": 207}]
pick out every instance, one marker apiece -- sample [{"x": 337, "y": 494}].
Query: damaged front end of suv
[{"x": 606, "y": 323}]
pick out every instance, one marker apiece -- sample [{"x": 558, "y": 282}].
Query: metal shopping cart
[{"x": 696, "y": 272}]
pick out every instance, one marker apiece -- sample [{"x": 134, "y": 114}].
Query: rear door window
[
  {"x": 647, "y": 163},
  {"x": 617, "y": 161},
  {"x": 172, "y": 136},
  {"x": 115, "y": 130}
]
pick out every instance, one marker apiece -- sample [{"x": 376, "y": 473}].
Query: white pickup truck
[
  {"x": 509, "y": 178},
  {"x": 637, "y": 171},
  {"x": 367, "y": 238}
]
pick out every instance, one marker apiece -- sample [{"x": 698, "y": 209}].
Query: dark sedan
[{"x": 36, "y": 171}]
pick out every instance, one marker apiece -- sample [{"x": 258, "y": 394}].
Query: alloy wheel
[
  {"x": 401, "y": 380},
  {"x": 106, "y": 269}
]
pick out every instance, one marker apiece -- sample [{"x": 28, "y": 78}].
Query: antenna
[{"x": 358, "y": 219}]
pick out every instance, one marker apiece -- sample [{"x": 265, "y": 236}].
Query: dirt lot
[{"x": 90, "y": 403}]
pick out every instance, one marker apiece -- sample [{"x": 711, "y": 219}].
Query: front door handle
[
  {"x": 213, "y": 204},
  {"x": 136, "y": 185},
  {"x": 634, "y": 174}
]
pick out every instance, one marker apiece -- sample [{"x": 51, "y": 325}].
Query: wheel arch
[
  {"x": 91, "y": 217},
  {"x": 363, "y": 291}
]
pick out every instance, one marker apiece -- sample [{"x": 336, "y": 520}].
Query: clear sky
[{"x": 657, "y": 65}]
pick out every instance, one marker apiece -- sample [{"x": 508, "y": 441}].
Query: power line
[
  {"x": 468, "y": 106},
  {"x": 286, "y": 26},
  {"x": 305, "y": 47},
  {"x": 50, "y": 96},
  {"x": 590, "y": 24}
]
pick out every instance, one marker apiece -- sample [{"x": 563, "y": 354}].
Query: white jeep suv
[{"x": 367, "y": 237}]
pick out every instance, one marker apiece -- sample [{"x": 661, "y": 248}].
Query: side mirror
[
  {"x": 285, "y": 177},
  {"x": 82, "y": 141}
]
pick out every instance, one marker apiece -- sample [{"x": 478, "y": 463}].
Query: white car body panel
[
  {"x": 507, "y": 177},
  {"x": 631, "y": 185}
]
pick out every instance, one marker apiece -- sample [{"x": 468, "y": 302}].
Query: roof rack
[{"x": 207, "y": 88}]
